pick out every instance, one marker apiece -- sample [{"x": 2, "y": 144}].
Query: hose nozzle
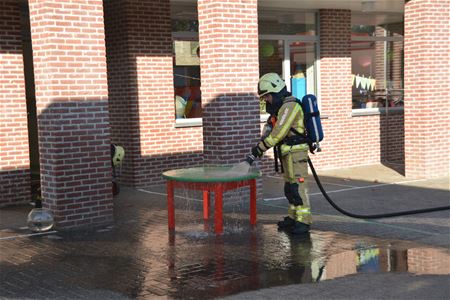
[{"x": 250, "y": 159}]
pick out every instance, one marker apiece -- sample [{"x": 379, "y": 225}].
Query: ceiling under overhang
[{"x": 379, "y": 11}]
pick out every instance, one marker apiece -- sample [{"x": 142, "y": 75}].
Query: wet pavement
[{"x": 342, "y": 258}]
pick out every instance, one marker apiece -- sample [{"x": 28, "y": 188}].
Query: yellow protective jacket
[{"x": 289, "y": 116}]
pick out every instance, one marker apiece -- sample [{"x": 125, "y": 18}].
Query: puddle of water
[
  {"x": 245, "y": 261},
  {"x": 196, "y": 235},
  {"x": 54, "y": 237},
  {"x": 194, "y": 263}
]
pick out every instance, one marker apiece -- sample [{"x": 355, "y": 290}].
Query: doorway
[{"x": 292, "y": 57}]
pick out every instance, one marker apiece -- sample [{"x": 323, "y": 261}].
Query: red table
[{"x": 210, "y": 179}]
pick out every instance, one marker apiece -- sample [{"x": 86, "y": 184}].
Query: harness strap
[
  {"x": 313, "y": 114},
  {"x": 275, "y": 155},
  {"x": 277, "y": 158}
]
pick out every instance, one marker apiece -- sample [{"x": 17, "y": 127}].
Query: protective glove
[{"x": 256, "y": 152}]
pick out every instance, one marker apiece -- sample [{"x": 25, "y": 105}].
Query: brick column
[
  {"x": 380, "y": 72},
  {"x": 396, "y": 65},
  {"x": 228, "y": 32},
  {"x": 336, "y": 90},
  {"x": 14, "y": 162},
  {"x": 72, "y": 106},
  {"x": 427, "y": 131},
  {"x": 141, "y": 91}
]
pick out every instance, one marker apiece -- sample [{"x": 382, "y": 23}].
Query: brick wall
[
  {"x": 349, "y": 141},
  {"x": 427, "y": 89},
  {"x": 121, "y": 110},
  {"x": 228, "y": 33},
  {"x": 392, "y": 137},
  {"x": 71, "y": 99},
  {"x": 14, "y": 164},
  {"x": 340, "y": 147},
  {"x": 141, "y": 92}
]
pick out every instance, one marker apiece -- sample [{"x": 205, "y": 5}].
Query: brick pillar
[
  {"x": 427, "y": 131},
  {"x": 14, "y": 162},
  {"x": 228, "y": 32},
  {"x": 141, "y": 91},
  {"x": 336, "y": 89},
  {"x": 396, "y": 48},
  {"x": 393, "y": 57},
  {"x": 380, "y": 72},
  {"x": 72, "y": 107}
]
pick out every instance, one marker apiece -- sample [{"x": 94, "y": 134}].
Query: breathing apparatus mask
[{"x": 277, "y": 102}]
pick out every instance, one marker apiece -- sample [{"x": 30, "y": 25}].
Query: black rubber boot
[
  {"x": 286, "y": 223},
  {"x": 299, "y": 228}
]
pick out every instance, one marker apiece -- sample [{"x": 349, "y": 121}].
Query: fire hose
[{"x": 376, "y": 216}]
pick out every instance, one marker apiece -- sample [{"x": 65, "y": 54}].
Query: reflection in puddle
[{"x": 228, "y": 264}]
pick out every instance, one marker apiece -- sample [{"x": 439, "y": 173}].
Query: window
[
  {"x": 186, "y": 72},
  {"x": 377, "y": 66},
  {"x": 186, "y": 69}
]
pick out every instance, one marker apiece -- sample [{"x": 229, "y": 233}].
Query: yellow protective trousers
[{"x": 295, "y": 165}]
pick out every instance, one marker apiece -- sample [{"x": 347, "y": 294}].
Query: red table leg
[
  {"x": 218, "y": 199},
  {"x": 218, "y": 188},
  {"x": 205, "y": 204},
  {"x": 170, "y": 204},
  {"x": 253, "y": 201}
]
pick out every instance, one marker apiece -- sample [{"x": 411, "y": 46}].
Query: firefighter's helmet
[
  {"x": 270, "y": 83},
  {"x": 117, "y": 155}
]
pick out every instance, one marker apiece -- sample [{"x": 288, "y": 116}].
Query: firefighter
[{"x": 286, "y": 132}]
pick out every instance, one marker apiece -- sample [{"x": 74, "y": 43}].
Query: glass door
[{"x": 293, "y": 58}]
